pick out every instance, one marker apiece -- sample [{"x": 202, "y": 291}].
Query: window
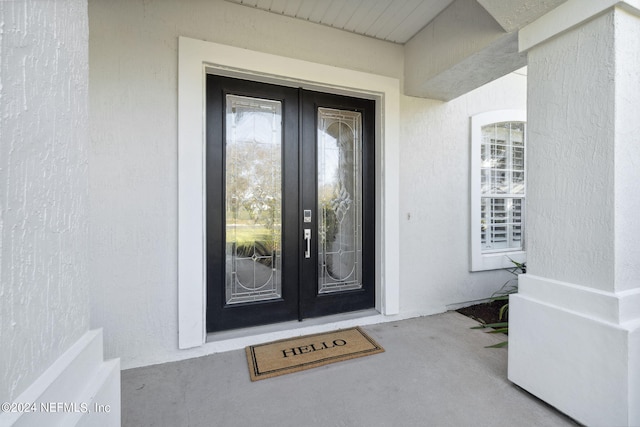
[{"x": 498, "y": 189}]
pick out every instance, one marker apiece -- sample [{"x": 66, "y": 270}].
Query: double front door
[{"x": 290, "y": 203}]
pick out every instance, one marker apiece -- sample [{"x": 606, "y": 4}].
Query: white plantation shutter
[
  {"x": 498, "y": 189},
  {"x": 502, "y": 186}
]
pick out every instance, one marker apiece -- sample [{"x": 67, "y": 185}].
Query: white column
[{"x": 574, "y": 336}]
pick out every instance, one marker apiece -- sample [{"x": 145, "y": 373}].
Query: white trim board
[
  {"x": 79, "y": 379},
  {"x": 572, "y": 356},
  {"x": 195, "y": 58}
]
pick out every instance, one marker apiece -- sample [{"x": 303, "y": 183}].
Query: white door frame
[{"x": 195, "y": 59}]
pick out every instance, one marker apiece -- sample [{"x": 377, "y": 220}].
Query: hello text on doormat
[{"x": 310, "y": 351}]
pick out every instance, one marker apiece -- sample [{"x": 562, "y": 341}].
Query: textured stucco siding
[
  {"x": 570, "y": 202},
  {"x": 434, "y": 196},
  {"x": 627, "y": 157},
  {"x": 44, "y": 186}
]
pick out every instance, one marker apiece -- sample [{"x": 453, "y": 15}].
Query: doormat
[{"x": 310, "y": 351}]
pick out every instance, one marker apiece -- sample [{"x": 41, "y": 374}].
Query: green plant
[{"x": 502, "y": 294}]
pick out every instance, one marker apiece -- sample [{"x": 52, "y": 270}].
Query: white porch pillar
[{"x": 574, "y": 336}]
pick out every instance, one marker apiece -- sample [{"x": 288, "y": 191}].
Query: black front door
[{"x": 290, "y": 203}]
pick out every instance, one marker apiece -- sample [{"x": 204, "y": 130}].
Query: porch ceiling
[
  {"x": 451, "y": 46},
  {"x": 391, "y": 20}
]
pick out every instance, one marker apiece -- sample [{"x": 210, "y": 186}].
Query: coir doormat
[{"x": 310, "y": 351}]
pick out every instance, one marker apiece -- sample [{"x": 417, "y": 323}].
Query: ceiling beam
[
  {"x": 469, "y": 44},
  {"x": 461, "y": 49}
]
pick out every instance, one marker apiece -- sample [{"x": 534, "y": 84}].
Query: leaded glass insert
[
  {"x": 253, "y": 198},
  {"x": 339, "y": 200},
  {"x": 502, "y": 186}
]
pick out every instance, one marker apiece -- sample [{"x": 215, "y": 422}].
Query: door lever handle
[{"x": 307, "y": 237}]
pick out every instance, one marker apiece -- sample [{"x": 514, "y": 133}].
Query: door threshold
[{"x": 294, "y": 328}]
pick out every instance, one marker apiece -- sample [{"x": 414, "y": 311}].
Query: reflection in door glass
[
  {"x": 253, "y": 199},
  {"x": 339, "y": 200}
]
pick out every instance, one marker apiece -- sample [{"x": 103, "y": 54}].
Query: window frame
[{"x": 493, "y": 260}]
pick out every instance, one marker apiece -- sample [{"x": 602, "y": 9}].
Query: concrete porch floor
[{"x": 435, "y": 372}]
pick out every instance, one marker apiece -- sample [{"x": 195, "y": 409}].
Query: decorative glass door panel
[
  {"x": 339, "y": 200},
  {"x": 253, "y": 199}
]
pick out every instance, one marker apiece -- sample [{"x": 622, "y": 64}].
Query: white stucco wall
[
  {"x": 133, "y": 174},
  {"x": 434, "y": 209},
  {"x": 44, "y": 302},
  {"x": 572, "y": 218},
  {"x": 580, "y": 237}
]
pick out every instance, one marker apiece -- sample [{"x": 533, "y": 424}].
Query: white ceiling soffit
[{"x": 391, "y": 20}]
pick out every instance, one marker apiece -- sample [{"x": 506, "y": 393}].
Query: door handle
[{"x": 307, "y": 237}]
